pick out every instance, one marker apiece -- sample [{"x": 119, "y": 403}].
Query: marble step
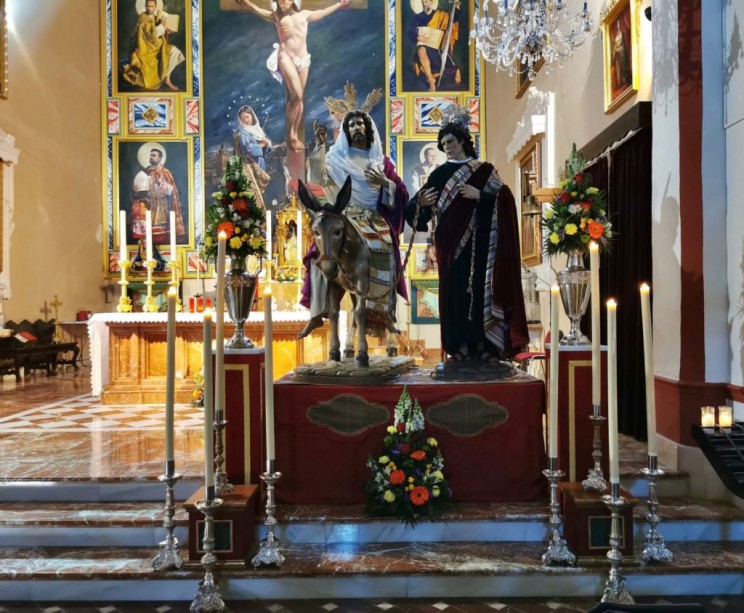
[
  {"x": 376, "y": 570},
  {"x": 94, "y": 490}
]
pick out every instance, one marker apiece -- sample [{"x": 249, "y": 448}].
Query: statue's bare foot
[
  {"x": 295, "y": 144},
  {"x": 315, "y": 322},
  {"x": 432, "y": 84},
  {"x": 458, "y": 77}
]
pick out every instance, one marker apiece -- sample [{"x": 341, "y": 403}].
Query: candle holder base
[
  {"x": 655, "y": 549},
  {"x": 616, "y": 589},
  {"x": 125, "y": 303},
  {"x": 169, "y": 555},
  {"x": 595, "y": 480},
  {"x": 208, "y": 598},
  {"x": 268, "y": 550},
  {"x": 558, "y": 551}
]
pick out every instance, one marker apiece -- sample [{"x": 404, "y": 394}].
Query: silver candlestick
[
  {"x": 558, "y": 552},
  {"x": 654, "y": 550},
  {"x": 221, "y": 483},
  {"x": 169, "y": 555},
  {"x": 208, "y": 598},
  {"x": 615, "y": 588},
  {"x": 595, "y": 480},
  {"x": 268, "y": 551}
]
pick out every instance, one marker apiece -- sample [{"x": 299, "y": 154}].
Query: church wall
[{"x": 53, "y": 110}]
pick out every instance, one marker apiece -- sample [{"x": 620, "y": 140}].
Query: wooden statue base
[
  {"x": 348, "y": 372},
  {"x": 234, "y": 524}
]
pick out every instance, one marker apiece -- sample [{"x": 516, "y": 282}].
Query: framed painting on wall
[
  {"x": 522, "y": 80},
  {"x": 424, "y": 301},
  {"x": 151, "y": 115},
  {"x": 530, "y": 178},
  {"x": 428, "y": 112},
  {"x": 423, "y": 262},
  {"x": 151, "y": 46},
  {"x": 619, "y": 41},
  {"x": 3, "y": 49}
]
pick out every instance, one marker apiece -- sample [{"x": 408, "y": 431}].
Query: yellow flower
[
  {"x": 571, "y": 229},
  {"x": 237, "y": 229},
  {"x": 592, "y": 190},
  {"x": 410, "y": 479},
  {"x": 392, "y": 429},
  {"x": 383, "y": 460},
  {"x": 563, "y": 183},
  {"x": 233, "y": 194},
  {"x": 388, "y": 496},
  {"x": 438, "y": 474},
  {"x": 244, "y": 194},
  {"x": 255, "y": 242},
  {"x": 573, "y": 194},
  {"x": 549, "y": 214},
  {"x": 217, "y": 195},
  {"x": 432, "y": 441},
  {"x": 435, "y": 491},
  {"x": 554, "y": 238},
  {"x": 235, "y": 242}
]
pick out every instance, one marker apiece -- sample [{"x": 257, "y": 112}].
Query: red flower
[
  {"x": 226, "y": 227},
  {"x": 401, "y": 427},
  {"x": 419, "y": 495},
  {"x": 579, "y": 178},
  {"x": 397, "y": 477},
  {"x": 405, "y": 448},
  {"x": 585, "y": 205},
  {"x": 231, "y": 186},
  {"x": 240, "y": 206},
  {"x": 418, "y": 455},
  {"x": 565, "y": 197}
]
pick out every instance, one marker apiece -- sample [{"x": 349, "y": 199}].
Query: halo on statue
[
  {"x": 440, "y": 158},
  {"x": 417, "y": 7},
  {"x": 143, "y": 155},
  {"x": 139, "y": 6}
]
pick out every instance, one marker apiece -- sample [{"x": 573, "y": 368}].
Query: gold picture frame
[
  {"x": 3, "y": 50},
  {"x": 620, "y": 29},
  {"x": 521, "y": 80},
  {"x": 423, "y": 262}
]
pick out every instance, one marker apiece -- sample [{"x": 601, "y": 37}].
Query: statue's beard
[{"x": 359, "y": 139}]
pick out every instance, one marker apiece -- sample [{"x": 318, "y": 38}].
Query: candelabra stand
[
  {"x": 654, "y": 550},
  {"x": 221, "y": 484},
  {"x": 615, "y": 588},
  {"x": 168, "y": 556},
  {"x": 208, "y": 598},
  {"x": 125, "y": 303},
  {"x": 558, "y": 552},
  {"x": 175, "y": 276},
  {"x": 150, "y": 304},
  {"x": 268, "y": 551},
  {"x": 595, "y": 480}
]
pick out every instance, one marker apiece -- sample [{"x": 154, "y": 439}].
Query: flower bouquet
[
  {"x": 407, "y": 479},
  {"x": 236, "y": 213},
  {"x": 197, "y": 396},
  {"x": 578, "y": 214}
]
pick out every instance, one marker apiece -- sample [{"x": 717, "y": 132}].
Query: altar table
[
  {"x": 128, "y": 361},
  {"x": 490, "y": 435}
]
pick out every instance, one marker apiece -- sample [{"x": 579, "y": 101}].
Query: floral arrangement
[
  {"x": 197, "y": 396},
  {"x": 578, "y": 214},
  {"x": 407, "y": 479},
  {"x": 235, "y": 213}
]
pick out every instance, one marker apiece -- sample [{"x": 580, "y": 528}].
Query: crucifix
[
  {"x": 55, "y": 304},
  {"x": 45, "y": 311}
]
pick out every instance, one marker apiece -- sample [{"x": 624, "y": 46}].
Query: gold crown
[
  {"x": 456, "y": 114},
  {"x": 342, "y": 106}
]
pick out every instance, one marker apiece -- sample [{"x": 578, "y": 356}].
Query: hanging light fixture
[{"x": 524, "y": 32}]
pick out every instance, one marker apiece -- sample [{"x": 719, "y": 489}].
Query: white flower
[{"x": 573, "y": 208}]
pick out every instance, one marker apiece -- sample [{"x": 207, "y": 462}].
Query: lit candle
[
  {"x": 596, "y": 350},
  {"x": 612, "y": 390},
  {"x": 269, "y": 374},
  {"x": 648, "y": 360},
  {"x": 172, "y": 224},
  {"x": 170, "y": 378},
  {"x": 148, "y": 233},
  {"x": 707, "y": 417},
  {"x": 554, "y": 360},
  {"x": 268, "y": 234},
  {"x": 122, "y": 236},
  {"x": 208, "y": 415},
  {"x": 725, "y": 416},
  {"x": 219, "y": 359},
  {"x": 299, "y": 236}
]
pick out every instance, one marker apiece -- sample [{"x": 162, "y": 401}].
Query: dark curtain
[{"x": 626, "y": 175}]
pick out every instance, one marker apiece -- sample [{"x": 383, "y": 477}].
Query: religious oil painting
[
  {"x": 429, "y": 111},
  {"x": 434, "y": 51},
  {"x": 151, "y": 115},
  {"x": 522, "y": 79},
  {"x": 423, "y": 262},
  {"x": 277, "y": 115},
  {"x": 195, "y": 264},
  {"x": 151, "y": 46},
  {"x": 418, "y": 159},
  {"x": 619, "y": 39},
  {"x": 3, "y": 49},
  {"x": 153, "y": 175},
  {"x": 424, "y": 301}
]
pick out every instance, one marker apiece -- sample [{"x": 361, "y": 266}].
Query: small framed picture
[
  {"x": 423, "y": 262},
  {"x": 522, "y": 80},
  {"x": 619, "y": 33},
  {"x": 424, "y": 301},
  {"x": 151, "y": 115},
  {"x": 429, "y": 111},
  {"x": 195, "y": 265}
]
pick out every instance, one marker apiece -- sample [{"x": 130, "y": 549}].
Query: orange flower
[
  {"x": 585, "y": 205},
  {"x": 226, "y": 227},
  {"x": 240, "y": 206},
  {"x": 418, "y": 455},
  {"x": 596, "y": 229},
  {"x": 419, "y": 495},
  {"x": 397, "y": 477}
]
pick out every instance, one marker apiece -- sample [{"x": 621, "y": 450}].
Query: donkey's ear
[
  {"x": 312, "y": 206},
  {"x": 343, "y": 197}
]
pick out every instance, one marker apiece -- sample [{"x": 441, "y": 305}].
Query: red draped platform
[{"x": 490, "y": 434}]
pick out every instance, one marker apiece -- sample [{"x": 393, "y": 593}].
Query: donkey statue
[{"x": 344, "y": 258}]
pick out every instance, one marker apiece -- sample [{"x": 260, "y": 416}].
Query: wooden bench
[{"x": 39, "y": 351}]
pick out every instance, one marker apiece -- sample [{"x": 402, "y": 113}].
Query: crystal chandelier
[{"x": 527, "y": 31}]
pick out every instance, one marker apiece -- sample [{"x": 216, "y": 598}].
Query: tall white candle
[
  {"x": 269, "y": 374},
  {"x": 148, "y": 234},
  {"x": 648, "y": 361},
  {"x": 122, "y": 235},
  {"x": 596, "y": 349},
  {"x": 268, "y": 234},
  {"x": 299, "y": 236},
  {"x": 170, "y": 374},
  {"x": 219, "y": 359},
  {"x": 172, "y": 227},
  {"x": 555, "y": 297},
  {"x": 208, "y": 399},
  {"x": 612, "y": 390}
]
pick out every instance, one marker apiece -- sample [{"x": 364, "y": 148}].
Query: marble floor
[{"x": 52, "y": 431}]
